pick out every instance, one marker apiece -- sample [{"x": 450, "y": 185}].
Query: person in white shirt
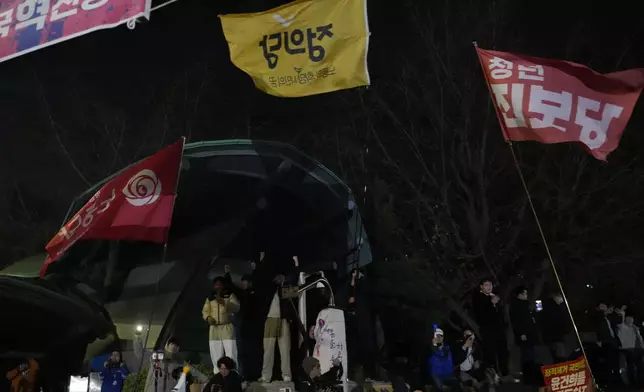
[{"x": 632, "y": 347}]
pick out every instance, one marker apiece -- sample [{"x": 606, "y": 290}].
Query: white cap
[{"x": 439, "y": 332}]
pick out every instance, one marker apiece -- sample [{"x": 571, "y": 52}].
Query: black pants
[
  {"x": 634, "y": 365},
  {"x": 360, "y": 345},
  {"x": 610, "y": 354},
  {"x": 495, "y": 351},
  {"x": 531, "y": 372},
  {"x": 439, "y": 384}
]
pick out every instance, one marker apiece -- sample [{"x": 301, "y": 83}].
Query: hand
[
  {"x": 296, "y": 261},
  {"x": 495, "y": 299},
  {"x": 106, "y": 363},
  {"x": 261, "y": 256},
  {"x": 210, "y": 320},
  {"x": 352, "y": 300},
  {"x": 226, "y": 269},
  {"x": 524, "y": 338},
  {"x": 279, "y": 279},
  {"x": 599, "y": 344},
  {"x": 477, "y": 364},
  {"x": 335, "y": 265},
  {"x": 221, "y": 301}
]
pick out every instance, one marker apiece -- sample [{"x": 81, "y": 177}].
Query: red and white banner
[
  {"x": 556, "y": 101},
  {"x": 571, "y": 376},
  {"x": 28, "y": 25},
  {"x": 135, "y": 205}
]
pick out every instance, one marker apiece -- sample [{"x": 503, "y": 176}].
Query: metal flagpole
[
  {"x": 163, "y": 260},
  {"x": 536, "y": 218},
  {"x": 552, "y": 261}
]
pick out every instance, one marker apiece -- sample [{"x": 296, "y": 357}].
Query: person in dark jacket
[
  {"x": 247, "y": 326},
  {"x": 525, "y": 332},
  {"x": 555, "y": 325},
  {"x": 468, "y": 362},
  {"x": 488, "y": 314},
  {"x": 441, "y": 365},
  {"x": 608, "y": 343},
  {"x": 360, "y": 335},
  {"x": 114, "y": 374},
  {"x": 312, "y": 379},
  {"x": 227, "y": 380}
]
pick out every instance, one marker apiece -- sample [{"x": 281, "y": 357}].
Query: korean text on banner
[
  {"x": 572, "y": 376},
  {"x": 135, "y": 205},
  {"x": 556, "y": 101},
  {"x": 302, "y": 48},
  {"x": 28, "y": 25},
  {"x": 331, "y": 341}
]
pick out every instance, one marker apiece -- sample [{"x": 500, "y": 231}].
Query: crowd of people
[
  {"x": 250, "y": 320},
  {"x": 617, "y": 336},
  {"x": 482, "y": 360}
]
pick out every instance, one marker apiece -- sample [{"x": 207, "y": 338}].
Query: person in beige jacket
[{"x": 216, "y": 312}]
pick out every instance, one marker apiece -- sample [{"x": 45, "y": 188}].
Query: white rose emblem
[{"x": 143, "y": 188}]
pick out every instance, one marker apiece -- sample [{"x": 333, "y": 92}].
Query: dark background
[{"x": 421, "y": 147}]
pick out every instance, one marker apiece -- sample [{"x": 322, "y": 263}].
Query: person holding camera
[
  {"x": 227, "y": 379},
  {"x": 216, "y": 312},
  {"x": 114, "y": 374},
  {"x": 468, "y": 361},
  {"x": 441, "y": 365}
]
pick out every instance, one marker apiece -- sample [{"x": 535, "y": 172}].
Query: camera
[
  {"x": 112, "y": 365},
  {"x": 158, "y": 356}
]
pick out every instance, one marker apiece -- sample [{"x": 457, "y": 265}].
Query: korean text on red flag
[
  {"x": 29, "y": 25},
  {"x": 556, "y": 101},
  {"x": 135, "y": 205}
]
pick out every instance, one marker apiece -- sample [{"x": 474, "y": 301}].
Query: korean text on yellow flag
[{"x": 302, "y": 48}]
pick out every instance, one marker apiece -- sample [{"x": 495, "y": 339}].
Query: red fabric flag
[
  {"x": 556, "y": 101},
  {"x": 135, "y": 205}
]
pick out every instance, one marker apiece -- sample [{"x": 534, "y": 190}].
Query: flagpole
[
  {"x": 163, "y": 260},
  {"x": 536, "y": 218},
  {"x": 550, "y": 258}
]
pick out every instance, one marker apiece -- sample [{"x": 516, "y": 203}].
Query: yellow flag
[{"x": 302, "y": 48}]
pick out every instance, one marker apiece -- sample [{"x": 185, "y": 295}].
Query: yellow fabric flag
[{"x": 302, "y": 48}]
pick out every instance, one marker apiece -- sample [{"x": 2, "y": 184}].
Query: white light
[
  {"x": 78, "y": 384},
  {"x": 139, "y": 328}
]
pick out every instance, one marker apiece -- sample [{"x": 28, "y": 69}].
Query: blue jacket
[
  {"x": 113, "y": 378},
  {"x": 440, "y": 362}
]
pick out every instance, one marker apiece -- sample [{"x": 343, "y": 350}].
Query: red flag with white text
[
  {"x": 135, "y": 205},
  {"x": 557, "y": 101}
]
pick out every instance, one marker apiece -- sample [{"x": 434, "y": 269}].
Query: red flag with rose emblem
[
  {"x": 556, "y": 101},
  {"x": 135, "y": 205}
]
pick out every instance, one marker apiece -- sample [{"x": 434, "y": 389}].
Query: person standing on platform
[
  {"x": 555, "y": 326},
  {"x": 216, "y": 312},
  {"x": 488, "y": 314},
  {"x": 525, "y": 334},
  {"x": 272, "y": 285}
]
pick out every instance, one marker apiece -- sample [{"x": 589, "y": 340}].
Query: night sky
[{"x": 77, "y": 111}]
